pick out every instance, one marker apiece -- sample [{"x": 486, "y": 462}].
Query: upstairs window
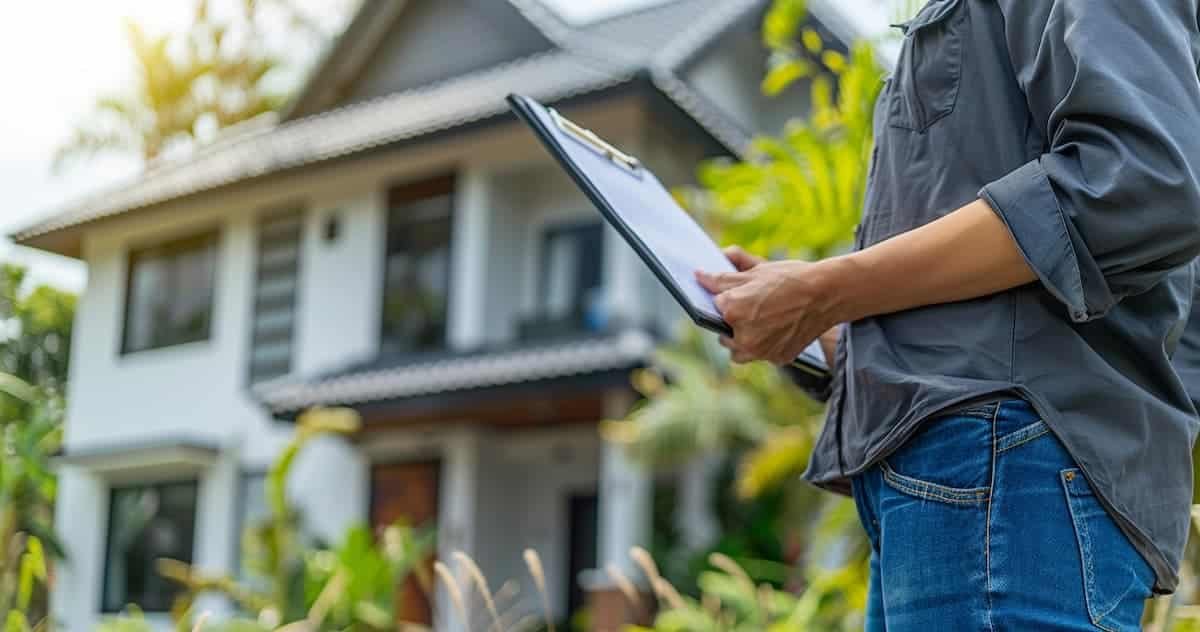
[
  {"x": 276, "y": 283},
  {"x": 571, "y": 292},
  {"x": 417, "y": 269},
  {"x": 169, "y": 293},
  {"x": 147, "y": 523}
]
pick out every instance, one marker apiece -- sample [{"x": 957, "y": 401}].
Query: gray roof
[
  {"x": 402, "y": 116},
  {"x": 407, "y": 377},
  {"x": 588, "y": 59}
]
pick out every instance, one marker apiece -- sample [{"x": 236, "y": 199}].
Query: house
[{"x": 398, "y": 244}]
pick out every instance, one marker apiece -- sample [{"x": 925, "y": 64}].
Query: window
[
  {"x": 276, "y": 283},
  {"x": 145, "y": 524},
  {"x": 571, "y": 295},
  {"x": 417, "y": 269},
  {"x": 169, "y": 293},
  {"x": 252, "y": 512}
]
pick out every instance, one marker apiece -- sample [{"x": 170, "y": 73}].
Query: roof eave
[{"x": 66, "y": 242}]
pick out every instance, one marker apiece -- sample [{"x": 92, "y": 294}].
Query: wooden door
[{"x": 408, "y": 492}]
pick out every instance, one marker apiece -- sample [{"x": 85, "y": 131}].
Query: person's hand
[
  {"x": 829, "y": 341},
  {"x": 775, "y": 308}
]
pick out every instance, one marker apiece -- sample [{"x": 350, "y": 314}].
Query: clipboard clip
[{"x": 589, "y": 138}]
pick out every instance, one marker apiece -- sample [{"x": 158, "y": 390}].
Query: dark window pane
[
  {"x": 170, "y": 293},
  {"x": 146, "y": 524},
  {"x": 572, "y": 265},
  {"x": 417, "y": 270}
]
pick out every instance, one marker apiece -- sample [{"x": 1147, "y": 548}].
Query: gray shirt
[
  {"x": 1079, "y": 122},
  {"x": 1187, "y": 356}
]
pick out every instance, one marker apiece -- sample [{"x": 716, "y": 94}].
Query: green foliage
[
  {"x": 30, "y": 432},
  {"x": 295, "y": 581},
  {"x": 132, "y": 620},
  {"x": 35, "y": 329},
  {"x": 801, "y": 194},
  {"x": 696, "y": 401},
  {"x": 796, "y": 195},
  {"x": 370, "y": 572},
  {"x": 218, "y": 72},
  {"x": 731, "y": 601},
  {"x": 35, "y": 334}
]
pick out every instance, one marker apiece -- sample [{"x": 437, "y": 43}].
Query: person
[{"x": 1004, "y": 409}]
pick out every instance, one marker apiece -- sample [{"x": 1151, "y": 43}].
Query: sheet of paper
[{"x": 651, "y": 212}]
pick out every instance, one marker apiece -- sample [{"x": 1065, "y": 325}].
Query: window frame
[
  {"x": 405, "y": 193},
  {"x": 113, "y": 490},
  {"x": 170, "y": 248}
]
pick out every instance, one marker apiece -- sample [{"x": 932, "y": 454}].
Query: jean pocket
[
  {"x": 1116, "y": 579},
  {"x": 948, "y": 460}
]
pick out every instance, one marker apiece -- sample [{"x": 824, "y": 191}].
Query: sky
[{"x": 57, "y": 58}]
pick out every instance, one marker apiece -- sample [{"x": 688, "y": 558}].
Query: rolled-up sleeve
[{"x": 1113, "y": 203}]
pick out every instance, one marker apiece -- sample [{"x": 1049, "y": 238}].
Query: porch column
[
  {"x": 626, "y": 495},
  {"x": 466, "y": 325},
  {"x": 456, "y": 519},
  {"x": 696, "y": 520}
]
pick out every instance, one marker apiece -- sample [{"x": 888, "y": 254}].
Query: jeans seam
[
  {"x": 1024, "y": 435},
  {"x": 987, "y": 524},
  {"x": 933, "y": 491}
]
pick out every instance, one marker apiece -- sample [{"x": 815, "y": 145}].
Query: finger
[
  {"x": 721, "y": 282},
  {"x": 728, "y": 343},
  {"x": 741, "y": 259}
]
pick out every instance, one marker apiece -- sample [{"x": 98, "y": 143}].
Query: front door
[
  {"x": 583, "y": 513},
  {"x": 408, "y": 492}
]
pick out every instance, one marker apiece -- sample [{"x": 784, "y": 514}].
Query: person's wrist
[{"x": 844, "y": 281}]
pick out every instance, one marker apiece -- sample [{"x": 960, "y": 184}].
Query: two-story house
[{"x": 396, "y": 243}]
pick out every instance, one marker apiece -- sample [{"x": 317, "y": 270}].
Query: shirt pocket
[{"x": 925, "y": 86}]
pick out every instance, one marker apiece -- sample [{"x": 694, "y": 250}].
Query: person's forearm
[{"x": 966, "y": 254}]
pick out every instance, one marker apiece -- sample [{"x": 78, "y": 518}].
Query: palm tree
[{"x": 218, "y": 72}]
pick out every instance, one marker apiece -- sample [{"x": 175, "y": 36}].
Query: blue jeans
[{"x": 982, "y": 521}]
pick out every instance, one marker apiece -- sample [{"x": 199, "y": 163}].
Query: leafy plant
[
  {"x": 35, "y": 329},
  {"x": 297, "y": 582},
  {"x": 800, "y": 194},
  {"x": 30, "y": 431},
  {"x": 796, "y": 195},
  {"x": 731, "y": 601}
]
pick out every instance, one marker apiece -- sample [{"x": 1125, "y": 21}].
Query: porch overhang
[
  {"x": 176, "y": 457},
  {"x": 561, "y": 380}
]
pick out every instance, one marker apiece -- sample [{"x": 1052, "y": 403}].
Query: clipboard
[{"x": 667, "y": 239}]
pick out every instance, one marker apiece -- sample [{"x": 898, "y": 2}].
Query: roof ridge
[
  {"x": 620, "y": 15},
  {"x": 570, "y": 38},
  {"x": 679, "y": 50}
]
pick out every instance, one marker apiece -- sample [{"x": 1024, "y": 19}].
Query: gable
[
  {"x": 434, "y": 40},
  {"x": 729, "y": 71}
]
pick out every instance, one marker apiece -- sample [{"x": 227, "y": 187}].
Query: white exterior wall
[{"x": 198, "y": 392}]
